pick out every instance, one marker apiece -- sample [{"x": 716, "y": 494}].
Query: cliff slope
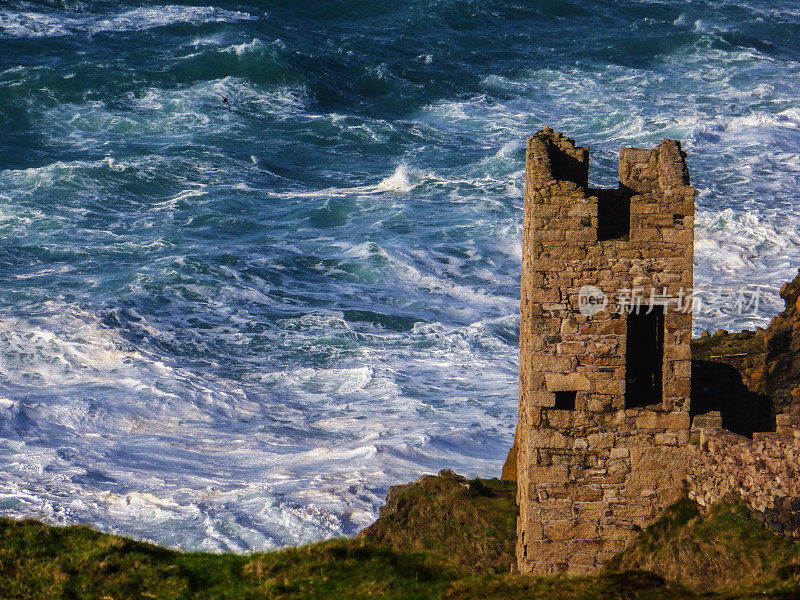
[{"x": 473, "y": 522}]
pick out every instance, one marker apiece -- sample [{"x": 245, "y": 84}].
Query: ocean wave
[
  {"x": 161, "y": 454},
  {"x": 187, "y": 110},
  {"x": 28, "y": 24}
]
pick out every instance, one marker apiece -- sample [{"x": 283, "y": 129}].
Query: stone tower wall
[{"x": 593, "y": 472}]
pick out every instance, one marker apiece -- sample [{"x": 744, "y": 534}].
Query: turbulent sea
[{"x": 234, "y": 329}]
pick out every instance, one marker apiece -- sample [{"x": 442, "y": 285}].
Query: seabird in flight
[{"x": 224, "y": 100}]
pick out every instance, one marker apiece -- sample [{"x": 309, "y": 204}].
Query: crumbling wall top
[
  {"x": 643, "y": 171},
  {"x": 554, "y": 158}
]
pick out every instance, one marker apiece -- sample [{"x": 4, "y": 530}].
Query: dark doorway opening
[
  {"x": 565, "y": 400},
  {"x": 644, "y": 356}
]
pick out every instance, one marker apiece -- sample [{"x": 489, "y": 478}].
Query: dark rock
[{"x": 767, "y": 359}]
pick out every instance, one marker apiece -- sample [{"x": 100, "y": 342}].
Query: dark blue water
[{"x": 233, "y": 329}]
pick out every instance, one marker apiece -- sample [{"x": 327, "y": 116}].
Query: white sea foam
[
  {"x": 35, "y": 24},
  {"x": 398, "y": 181},
  {"x": 149, "y": 449}
]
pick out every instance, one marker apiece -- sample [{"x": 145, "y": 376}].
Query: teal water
[{"x": 234, "y": 329}]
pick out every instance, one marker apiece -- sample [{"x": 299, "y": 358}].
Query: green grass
[
  {"x": 43, "y": 562},
  {"x": 471, "y": 522},
  {"x": 40, "y": 561},
  {"x": 724, "y": 548},
  {"x": 441, "y": 537}
]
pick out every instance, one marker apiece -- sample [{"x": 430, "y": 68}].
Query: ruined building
[
  {"x": 606, "y": 439},
  {"x": 605, "y": 360}
]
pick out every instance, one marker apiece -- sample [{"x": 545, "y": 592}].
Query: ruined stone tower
[{"x": 605, "y": 361}]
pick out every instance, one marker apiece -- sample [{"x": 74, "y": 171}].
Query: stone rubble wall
[{"x": 763, "y": 471}]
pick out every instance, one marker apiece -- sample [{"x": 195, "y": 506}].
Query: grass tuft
[
  {"x": 725, "y": 547},
  {"x": 473, "y": 522}
]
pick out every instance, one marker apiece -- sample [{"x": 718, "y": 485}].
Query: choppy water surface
[{"x": 233, "y": 330}]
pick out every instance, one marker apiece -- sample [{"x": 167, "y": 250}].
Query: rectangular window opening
[
  {"x": 565, "y": 400},
  {"x": 644, "y": 356},
  {"x": 613, "y": 214}
]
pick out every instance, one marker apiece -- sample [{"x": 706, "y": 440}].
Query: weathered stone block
[
  {"x": 567, "y": 419},
  {"x": 649, "y": 419},
  {"x": 573, "y": 381},
  {"x": 666, "y": 439},
  {"x": 601, "y": 440},
  {"x": 549, "y": 438},
  {"x": 543, "y": 399},
  {"x": 551, "y": 475},
  {"x": 548, "y": 362}
]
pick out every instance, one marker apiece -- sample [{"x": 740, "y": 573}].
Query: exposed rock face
[
  {"x": 778, "y": 376},
  {"x": 767, "y": 359},
  {"x": 604, "y": 390},
  {"x": 509, "y": 472}
]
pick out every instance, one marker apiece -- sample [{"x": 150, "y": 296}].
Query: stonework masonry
[
  {"x": 604, "y": 425},
  {"x": 763, "y": 471}
]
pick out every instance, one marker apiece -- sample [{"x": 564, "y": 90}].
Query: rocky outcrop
[
  {"x": 778, "y": 374},
  {"x": 473, "y": 522},
  {"x": 509, "y": 472},
  {"x": 767, "y": 359}
]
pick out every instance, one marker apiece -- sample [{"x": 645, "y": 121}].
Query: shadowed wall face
[{"x": 605, "y": 362}]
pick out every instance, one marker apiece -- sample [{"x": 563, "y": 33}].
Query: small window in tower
[
  {"x": 565, "y": 400},
  {"x": 613, "y": 214},
  {"x": 677, "y": 220}
]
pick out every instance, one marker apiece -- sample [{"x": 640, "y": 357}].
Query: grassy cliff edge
[{"x": 440, "y": 537}]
